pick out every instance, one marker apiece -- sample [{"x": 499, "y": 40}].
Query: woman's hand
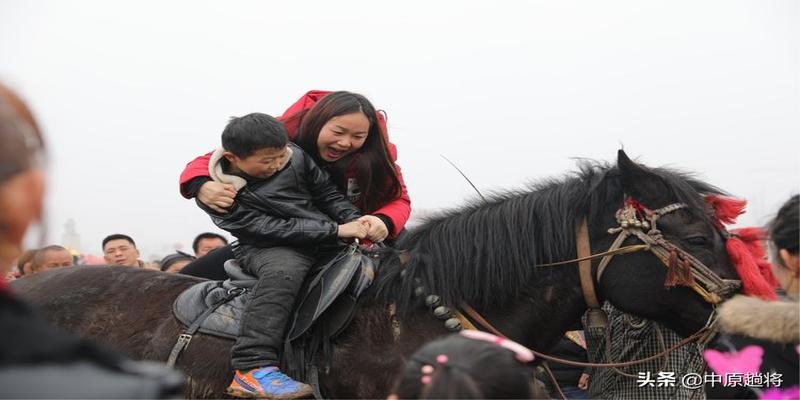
[
  {"x": 353, "y": 229},
  {"x": 377, "y": 229},
  {"x": 217, "y": 195}
]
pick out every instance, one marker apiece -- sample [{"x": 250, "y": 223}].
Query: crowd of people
[
  {"x": 118, "y": 249},
  {"x": 289, "y": 189}
]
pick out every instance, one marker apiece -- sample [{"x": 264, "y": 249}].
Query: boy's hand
[
  {"x": 353, "y": 229},
  {"x": 377, "y": 231},
  {"x": 217, "y": 195}
]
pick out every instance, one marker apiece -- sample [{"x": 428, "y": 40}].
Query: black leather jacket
[{"x": 298, "y": 206}]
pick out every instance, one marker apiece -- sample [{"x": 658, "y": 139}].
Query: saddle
[{"x": 328, "y": 296}]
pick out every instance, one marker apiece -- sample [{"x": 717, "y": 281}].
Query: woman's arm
[
  {"x": 398, "y": 210},
  {"x": 197, "y": 168},
  {"x": 196, "y": 182}
]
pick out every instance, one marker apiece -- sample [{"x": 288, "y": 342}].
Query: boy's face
[{"x": 261, "y": 164}]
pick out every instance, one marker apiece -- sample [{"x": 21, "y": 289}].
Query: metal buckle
[{"x": 184, "y": 339}]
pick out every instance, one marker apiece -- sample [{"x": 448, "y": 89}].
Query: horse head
[{"x": 664, "y": 284}]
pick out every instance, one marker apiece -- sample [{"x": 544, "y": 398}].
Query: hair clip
[
  {"x": 522, "y": 353},
  {"x": 442, "y": 359},
  {"x": 426, "y": 370}
]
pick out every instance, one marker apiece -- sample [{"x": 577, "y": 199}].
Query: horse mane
[{"x": 484, "y": 253}]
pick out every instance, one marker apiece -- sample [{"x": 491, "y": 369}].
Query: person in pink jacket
[{"x": 348, "y": 138}]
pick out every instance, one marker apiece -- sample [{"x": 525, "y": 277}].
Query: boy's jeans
[{"x": 280, "y": 272}]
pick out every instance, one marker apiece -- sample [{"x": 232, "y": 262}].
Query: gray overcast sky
[{"x": 129, "y": 91}]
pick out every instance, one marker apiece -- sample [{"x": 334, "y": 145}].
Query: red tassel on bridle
[
  {"x": 746, "y": 244},
  {"x": 679, "y": 272},
  {"x": 641, "y": 210},
  {"x": 726, "y": 209},
  {"x": 745, "y": 249}
]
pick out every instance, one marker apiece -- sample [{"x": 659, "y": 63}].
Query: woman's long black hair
[{"x": 374, "y": 169}]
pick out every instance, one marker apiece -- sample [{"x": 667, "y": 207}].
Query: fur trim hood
[
  {"x": 777, "y": 321},
  {"x": 217, "y": 174}
]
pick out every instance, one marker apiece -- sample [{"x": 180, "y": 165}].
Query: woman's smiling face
[{"x": 342, "y": 135}]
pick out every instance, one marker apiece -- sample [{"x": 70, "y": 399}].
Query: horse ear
[{"x": 641, "y": 183}]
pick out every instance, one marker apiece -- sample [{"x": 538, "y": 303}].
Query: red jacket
[{"x": 397, "y": 210}]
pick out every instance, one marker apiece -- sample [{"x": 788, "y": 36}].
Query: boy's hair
[
  {"x": 117, "y": 236},
  {"x": 245, "y": 135}
]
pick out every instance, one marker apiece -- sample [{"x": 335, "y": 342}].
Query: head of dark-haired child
[
  {"x": 784, "y": 243},
  {"x": 255, "y": 145},
  {"x": 461, "y": 367}
]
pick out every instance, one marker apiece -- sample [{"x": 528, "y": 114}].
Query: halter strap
[{"x": 585, "y": 266}]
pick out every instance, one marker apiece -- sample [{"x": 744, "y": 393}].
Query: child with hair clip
[
  {"x": 761, "y": 338},
  {"x": 469, "y": 365}
]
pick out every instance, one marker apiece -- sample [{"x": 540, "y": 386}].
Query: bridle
[{"x": 638, "y": 221}]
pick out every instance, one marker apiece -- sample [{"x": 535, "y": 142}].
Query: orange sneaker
[{"x": 267, "y": 383}]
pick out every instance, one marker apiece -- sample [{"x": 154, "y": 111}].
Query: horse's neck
[{"x": 550, "y": 308}]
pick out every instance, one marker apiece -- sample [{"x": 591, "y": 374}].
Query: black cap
[{"x": 170, "y": 259}]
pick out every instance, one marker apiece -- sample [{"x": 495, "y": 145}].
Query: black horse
[{"x": 483, "y": 254}]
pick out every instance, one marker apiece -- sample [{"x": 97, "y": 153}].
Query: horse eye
[{"x": 697, "y": 240}]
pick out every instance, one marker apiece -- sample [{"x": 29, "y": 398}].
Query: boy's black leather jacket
[{"x": 298, "y": 206}]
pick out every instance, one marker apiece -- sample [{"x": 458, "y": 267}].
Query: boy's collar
[{"x": 218, "y": 174}]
